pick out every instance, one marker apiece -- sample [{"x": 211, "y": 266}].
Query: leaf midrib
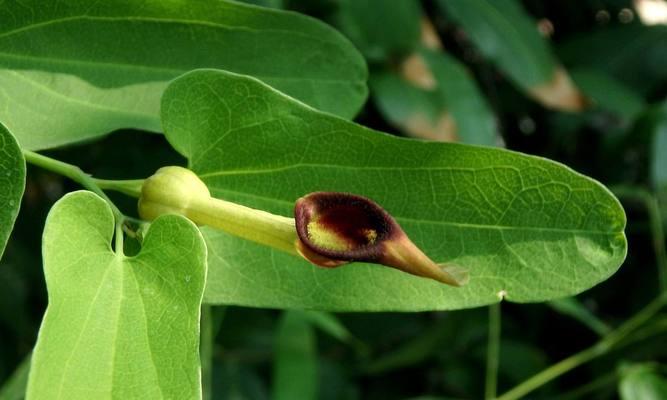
[
  {"x": 71, "y": 99},
  {"x": 108, "y": 268},
  {"x": 450, "y": 223}
]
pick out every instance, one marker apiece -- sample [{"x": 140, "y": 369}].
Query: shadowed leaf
[{"x": 12, "y": 184}]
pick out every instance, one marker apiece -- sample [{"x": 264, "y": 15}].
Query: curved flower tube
[{"x": 329, "y": 229}]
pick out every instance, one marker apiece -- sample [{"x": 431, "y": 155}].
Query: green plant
[{"x": 256, "y": 104}]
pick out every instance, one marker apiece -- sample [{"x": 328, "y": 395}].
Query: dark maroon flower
[{"x": 338, "y": 228}]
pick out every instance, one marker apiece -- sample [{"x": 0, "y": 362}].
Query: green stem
[
  {"x": 585, "y": 391},
  {"x": 74, "y": 173},
  {"x": 77, "y": 175},
  {"x": 493, "y": 352},
  {"x": 600, "y": 348},
  {"x": 131, "y": 188},
  {"x": 571, "y": 307},
  {"x": 655, "y": 220}
]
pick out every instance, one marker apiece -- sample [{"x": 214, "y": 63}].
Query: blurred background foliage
[{"x": 583, "y": 82}]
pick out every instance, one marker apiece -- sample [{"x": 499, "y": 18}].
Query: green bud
[
  {"x": 176, "y": 190},
  {"x": 171, "y": 190}
]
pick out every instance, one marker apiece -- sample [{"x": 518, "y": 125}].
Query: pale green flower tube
[
  {"x": 177, "y": 190},
  {"x": 330, "y": 229}
]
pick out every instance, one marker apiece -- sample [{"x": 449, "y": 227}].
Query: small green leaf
[
  {"x": 453, "y": 110},
  {"x": 506, "y": 34},
  {"x": 295, "y": 366},
  {"x": 475, "y": 122},
  {"x": 73, "y": 70},
  {"x": 15, "y": 386},
  {"x": 658, "y": 125},
  {"x": 528, "y": 229},
  {"x": 608, "y": 93},
  {"x": 329, "y": 324},
  {"x": 118, "y": 327},
  {"x": 642, "y": 382},
  {"x": 414, "y": 351},
  {"x": 372, "y": 26},
  {"x": 571, "y": 307},
  {"x": 635, "y": 54},
  {"x": 12, "y": 184}
]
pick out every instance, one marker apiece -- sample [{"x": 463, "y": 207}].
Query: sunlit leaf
[
  {"x": 73, "y": 70},
  {"x": 118, "y": 327}
]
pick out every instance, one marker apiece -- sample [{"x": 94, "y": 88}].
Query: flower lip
[{"x": 344, "y": 226}]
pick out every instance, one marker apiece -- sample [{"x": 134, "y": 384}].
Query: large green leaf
[
  {"x": 12, "y": 184},
  {"x": 506, "y": 34},
  {"x": 75, "y": 69},
  {"x": 528, "y": 228},
  {"x": 118, "y": 327}
]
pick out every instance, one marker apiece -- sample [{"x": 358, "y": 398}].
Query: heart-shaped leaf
[
  {"x": 12, "y": 184},
  {"x": 118, "y": 327},
  {"x": 100, "y": 66},
  {"x": 529, "y": 229}
]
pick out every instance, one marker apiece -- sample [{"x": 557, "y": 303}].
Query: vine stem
[
  {"x": 131, "y": 187},
  {"x": 600, "y": 348},
  {"x": 492, "y": 352},
  {"x": 77, "y": 175}
]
